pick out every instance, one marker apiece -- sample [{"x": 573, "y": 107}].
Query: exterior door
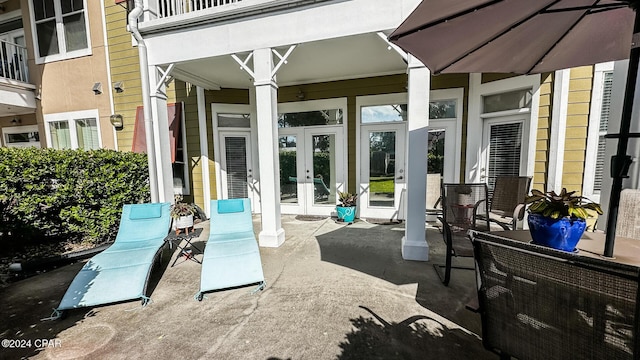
[
  {"x": 236, "y": 165},
  {"x": 382, "y": 170},
  {"x": 311, "y": 169},
  {"x": 504, "y": 150}
]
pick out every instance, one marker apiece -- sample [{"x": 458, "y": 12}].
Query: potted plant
[
  {"x": 558, "y": 220},
  {"x": 347, "y": 208},
  {"x": 182, "y": 213},
  {"x": 464, "y": 194}
]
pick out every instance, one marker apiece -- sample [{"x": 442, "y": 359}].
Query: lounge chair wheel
[{"x": 200, "y": 297}]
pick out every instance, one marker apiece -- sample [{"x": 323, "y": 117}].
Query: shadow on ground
[
  {"x": 368, "y": 252},
  {"x": 417, "y": 337}
]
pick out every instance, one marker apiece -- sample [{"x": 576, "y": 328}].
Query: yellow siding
[{"x": 580, "y": 83}]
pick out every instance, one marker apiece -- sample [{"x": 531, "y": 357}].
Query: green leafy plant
[
  {"x": 347, "y": 199},
  {"x": 565, "y": 204},
  {"x": 180, "y": 208},
  {"x": 463, "y": 189}
]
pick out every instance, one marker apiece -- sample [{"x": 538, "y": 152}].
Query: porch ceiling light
[{"x": 117, "y": 121}]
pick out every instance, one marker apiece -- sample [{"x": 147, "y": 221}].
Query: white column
[
  {"x": 255, "y": 155},
  {"x": 204, "y": 150},
  {"x": 161, "y": 132},
  {"x": 414, "y": 244},
  {"x": 272, "y": 234},
  {"x": 558, "y": 129}
]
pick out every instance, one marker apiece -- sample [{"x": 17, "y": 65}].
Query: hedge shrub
[{"x": 48, "y": 194}]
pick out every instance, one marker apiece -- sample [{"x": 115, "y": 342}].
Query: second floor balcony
[{"x": 13, "y": 62}]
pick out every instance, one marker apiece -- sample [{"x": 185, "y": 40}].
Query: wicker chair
[
  {"x": 463, "y": 206},
  {"x": 628, "y": 224},
  {"x": 506, "y": 204},
  {"x": 540, "y": 303}
]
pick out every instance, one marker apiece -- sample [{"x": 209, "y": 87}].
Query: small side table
[{"x": 177, "y": 239}]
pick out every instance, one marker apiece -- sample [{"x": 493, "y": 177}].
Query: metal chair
[
  {"x": 464, "y": 208},
  {"x": 506, "y": 204}
]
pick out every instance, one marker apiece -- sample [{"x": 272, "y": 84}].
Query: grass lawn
[{"x": 382, "y": 185}]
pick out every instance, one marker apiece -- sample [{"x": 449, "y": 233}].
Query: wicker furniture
[{"x": 540, "y": 303}]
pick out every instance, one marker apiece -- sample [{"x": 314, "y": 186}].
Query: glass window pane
[
  {"x": 22, "y": 137},
  {"x": 234, "y": 120},
  {"x": 383, "y": 113},
  {"x": 324, "y": 172},
  {"x": 60, "y": 135},
  {"x": 310, "y": 118},
  {"x": 236, "y": 163},
  {"x": 47, "y": 38},
  {"x": 507, "y": 101},
  {"x": 435, "y": 151},
  {"x": 288, "y": 166},
  {"x": 75, "y": 32},
  {"x": 71, "y": 5},
  {"x": 43, "y": 9},
  {"x": 442, "y": 109},
  {"x": 87, "y": 134},
  {"x": 382, "y": 150}
]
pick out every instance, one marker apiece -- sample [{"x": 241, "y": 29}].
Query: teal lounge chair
[
  {"x": 121, "y": 272},
  {"x": 231, "y": 256}
]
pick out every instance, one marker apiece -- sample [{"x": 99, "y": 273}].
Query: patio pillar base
[
  {"x": 415, "y": 250},
  {"x": 271, "y": 239}
]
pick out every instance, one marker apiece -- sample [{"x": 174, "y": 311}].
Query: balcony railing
[
  {"x": 13, "y": 62},
  {"x": 176, "y": 7}
]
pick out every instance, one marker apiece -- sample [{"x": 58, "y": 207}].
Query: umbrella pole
[{"x": 621, "y": 161}]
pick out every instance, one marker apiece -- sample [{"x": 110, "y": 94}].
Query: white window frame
[
  {"x": 63, "y": 54},
  {"x": 70, "y": 117},
  {"x": 18, "y": 130},
  {"x": 593, "y": 132}
]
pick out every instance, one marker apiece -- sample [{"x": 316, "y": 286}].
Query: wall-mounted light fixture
[
  {"x": 97, "y": 88},
  {"x": 16, "y": 120},
  {"x": 119, "y": 86},
  {"x": 117, "y": 121},
  {"x": 300, "y": 95}
]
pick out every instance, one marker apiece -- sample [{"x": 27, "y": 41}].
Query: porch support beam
[
  {"x": 272, "y": 234},
  {"x": 161, "y": 133},
  {"x": 414, "y": 244}
]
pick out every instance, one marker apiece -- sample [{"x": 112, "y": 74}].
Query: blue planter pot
[
  {"x": 346, "y": 214},
  {"x": 562, "y": 234}
]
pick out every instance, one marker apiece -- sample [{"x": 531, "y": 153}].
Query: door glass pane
[
  {"x": 310, "y": 118},
  {"x": 442, "y": 109},
  {"x": 505, "y": 143},
  {"x": 507, "y": 101},
  {"x": 383, "y": 113},
  {"x": 324, "y": 169},
  {"x": 288, "y": 164},
  {"x": 236, "y": 160},
  {"x": 435, "y": 151},
  {"x": 382, "y": 157},
  {"x": 234, "y": 120}
]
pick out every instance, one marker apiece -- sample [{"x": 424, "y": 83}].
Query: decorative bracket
[
  {"x": 395, "y": 47},
  {"x": 243, "y": 63},
  {"x": 165, "y": 79},
  {"x": 282, "y": 59}
]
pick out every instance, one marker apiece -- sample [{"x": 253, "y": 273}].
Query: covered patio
[{"x": 333, "y": 292}]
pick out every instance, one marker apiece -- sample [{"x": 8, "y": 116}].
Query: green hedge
[{"x": 48, "y": 194}]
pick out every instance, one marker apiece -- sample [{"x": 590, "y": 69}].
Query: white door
[
  {"x": 504, "y": 148},
  {"x": 382, "y": 170},
  {"x": 442, "y": 155},
  {"x": 311, "y": 169},
  {"x": 236, "y": 165}
]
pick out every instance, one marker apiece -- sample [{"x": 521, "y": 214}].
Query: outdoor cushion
[
  {"x": 146, "y": 211},
  {"x": 230, "y": 206}
]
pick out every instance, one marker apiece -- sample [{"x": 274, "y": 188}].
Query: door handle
[{"x": 400, "y": 177}]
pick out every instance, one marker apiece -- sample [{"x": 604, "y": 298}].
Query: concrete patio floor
[{"x": 333, "y": 291}]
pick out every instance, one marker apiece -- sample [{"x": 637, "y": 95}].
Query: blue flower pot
[
  {"x": 346, "y": 214},
  {"x": 562, "y": 234}
]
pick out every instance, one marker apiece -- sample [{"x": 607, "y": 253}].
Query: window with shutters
[
  {"x": 598, "y": 125},
  {"x": 73, "y": 130}
]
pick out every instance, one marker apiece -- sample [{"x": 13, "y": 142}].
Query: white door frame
[
  {"x": 219, "y": 108},
  {"x": 453, "y": 129},
  {"x": 400, "y": 176}
]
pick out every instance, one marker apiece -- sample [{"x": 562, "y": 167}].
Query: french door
[
  {"x": 382, "y": 170},
  {"x": 504, "y": 149},
  {"x": 311, "y": 169}
]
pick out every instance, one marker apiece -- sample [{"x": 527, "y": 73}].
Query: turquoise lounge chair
[
  {"x": 231, "y": 256},
  {"x": 121, "y": 272}
]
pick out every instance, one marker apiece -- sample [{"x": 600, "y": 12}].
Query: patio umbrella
[{"x": 526, "y": 37}]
